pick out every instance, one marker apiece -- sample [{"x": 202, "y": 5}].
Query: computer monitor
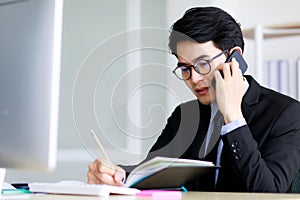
[{"x": 30, "y": 52}]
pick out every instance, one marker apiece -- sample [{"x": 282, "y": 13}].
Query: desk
[{"x": 185, "y": 196}]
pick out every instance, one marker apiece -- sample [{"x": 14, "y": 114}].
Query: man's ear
[{"x": 239, "y": 49}]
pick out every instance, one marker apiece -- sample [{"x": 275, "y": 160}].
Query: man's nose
[{"x": 195, "y": 76}]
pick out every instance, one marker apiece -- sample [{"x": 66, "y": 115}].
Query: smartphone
[{"x": 239, "y": 58}]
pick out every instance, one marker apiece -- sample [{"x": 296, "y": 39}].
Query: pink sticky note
[{"x": 160, "y": 194}]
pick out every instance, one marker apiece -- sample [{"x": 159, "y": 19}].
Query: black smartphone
[{"x": 239, "y": 58}]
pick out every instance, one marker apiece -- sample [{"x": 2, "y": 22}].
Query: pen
[{"x": 100, "y": 145}]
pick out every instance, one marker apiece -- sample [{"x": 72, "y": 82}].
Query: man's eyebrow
[
  {"x": 182, "y": 64},
  {"x": 206, "y": 57}
]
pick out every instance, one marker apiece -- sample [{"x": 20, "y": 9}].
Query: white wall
[
  {"x": 93, "y": 31},
  {"x": 269, "y": 14}
]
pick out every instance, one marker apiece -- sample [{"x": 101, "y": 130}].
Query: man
[{"x": 258, "y": 143}]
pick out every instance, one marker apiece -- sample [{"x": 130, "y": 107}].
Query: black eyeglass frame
[{"x": 195, "y": 68}]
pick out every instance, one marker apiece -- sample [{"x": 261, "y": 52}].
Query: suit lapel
[{"x": 250, "y": 98}]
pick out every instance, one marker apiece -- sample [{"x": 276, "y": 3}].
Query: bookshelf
[{"x": 261, "y": 33}]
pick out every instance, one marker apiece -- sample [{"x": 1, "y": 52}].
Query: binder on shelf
[
  {"x": 283, "y": 77},
  {"x": 292, "y": 77},
  {"x": 272, "y": 66}
]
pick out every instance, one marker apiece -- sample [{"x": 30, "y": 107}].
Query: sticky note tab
[{"x": 160, "y": 194}]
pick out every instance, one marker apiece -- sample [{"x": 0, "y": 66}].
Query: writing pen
[{"x": 100, "y": 145}]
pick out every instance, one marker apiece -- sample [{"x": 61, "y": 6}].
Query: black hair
[{"x": 203, "y": 24}]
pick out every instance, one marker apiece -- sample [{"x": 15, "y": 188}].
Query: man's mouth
[{"x": 202, "y": 90}]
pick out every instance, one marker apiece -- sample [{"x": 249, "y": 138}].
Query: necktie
[
  {"x": 213, "y": 134},
  {"x": 218, "y": 123},
  {"x": 212, "y": 137}
]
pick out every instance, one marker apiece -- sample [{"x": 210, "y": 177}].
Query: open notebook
[
  {"x": 164, "y": 172},
  {"x": 80, "y": 188}
]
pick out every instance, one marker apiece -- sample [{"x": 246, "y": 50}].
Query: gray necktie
[
  {"x": 214, "y": 136},
  {"x": 220, "y": 123}
]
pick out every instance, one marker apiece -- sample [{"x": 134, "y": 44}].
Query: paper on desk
[{"x": 7, "y": 186}]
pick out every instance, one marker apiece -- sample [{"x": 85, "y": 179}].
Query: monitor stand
[{"x": 2, "y": 176}]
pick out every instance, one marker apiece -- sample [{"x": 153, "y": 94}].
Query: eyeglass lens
[{"x": 200, "y": 66}]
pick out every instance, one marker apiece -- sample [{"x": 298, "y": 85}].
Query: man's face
[{"x": 188, "y": 52}]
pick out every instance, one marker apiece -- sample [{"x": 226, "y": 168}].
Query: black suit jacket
[{"x": 262, "y": 156}]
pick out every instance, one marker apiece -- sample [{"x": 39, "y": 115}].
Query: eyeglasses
[{"x": 201, "y": 66}]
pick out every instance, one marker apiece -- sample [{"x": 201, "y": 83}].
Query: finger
[
  {"x": 226, "y": 70},
  {"x": 104, "y": 172},
  {"x": 91, "y": 175},
  {"x": 96, "y": 171},
  {"x": 235, "y": 67},
  {"x": 92, "y": 179},
  {"x": 105, "y": 179},
  {"x": 103, "y": 166},
  {"x": 218, "y": 76},
  {"x": 119, "y": 175},
  {"x": 101, "y": 178}
]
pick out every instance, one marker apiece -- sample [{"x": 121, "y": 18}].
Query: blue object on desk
[{"x": 15, "y": 191}]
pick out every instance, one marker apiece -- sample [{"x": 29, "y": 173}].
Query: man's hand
[
  {"x": 104, "y": 172},
  {"x": 229, "y": 90}
]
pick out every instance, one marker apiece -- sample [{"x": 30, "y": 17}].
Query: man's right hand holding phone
[{"x": 229, "y": 90}]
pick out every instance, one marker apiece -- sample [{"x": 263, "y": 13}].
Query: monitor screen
[{"x": 30, "y": 52}]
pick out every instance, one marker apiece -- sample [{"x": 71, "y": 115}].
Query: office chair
[{"x": 295, "y": 186}]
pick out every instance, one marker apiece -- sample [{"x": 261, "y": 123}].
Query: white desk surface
[{"x": 185, "y": 196}]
